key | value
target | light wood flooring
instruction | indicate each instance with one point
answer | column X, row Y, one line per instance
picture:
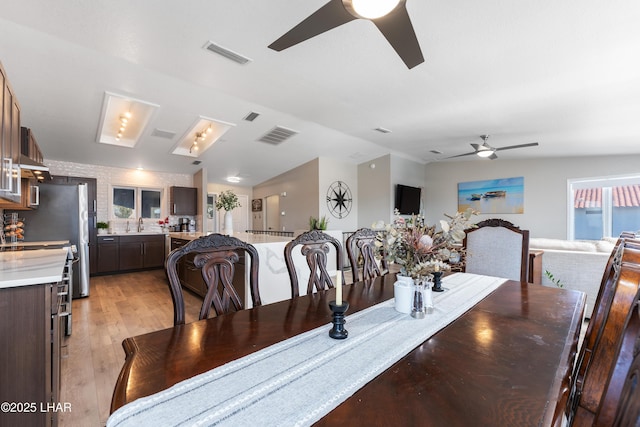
column 118, row 307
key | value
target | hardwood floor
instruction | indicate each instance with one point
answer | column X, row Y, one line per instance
column 118, row 307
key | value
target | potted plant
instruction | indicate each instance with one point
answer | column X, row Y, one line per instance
column 228, row 201
column 102, row 227
column 318, row 223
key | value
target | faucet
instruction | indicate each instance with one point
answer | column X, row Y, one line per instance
column 128, row 229
column 140, row 225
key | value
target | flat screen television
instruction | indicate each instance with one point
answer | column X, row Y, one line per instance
column 408, row 199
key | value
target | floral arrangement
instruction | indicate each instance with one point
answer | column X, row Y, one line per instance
column 420, row 249
column 163, row 223
column 227, row 200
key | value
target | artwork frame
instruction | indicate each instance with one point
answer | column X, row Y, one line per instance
column 256, row 205
column 492, row 196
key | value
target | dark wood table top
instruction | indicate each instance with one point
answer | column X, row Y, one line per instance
column 504, row 362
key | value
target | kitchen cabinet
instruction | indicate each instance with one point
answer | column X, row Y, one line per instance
column 138, row 252
column 125, row 253
column 108, row 254
column 29, row 145
column 10, row 188
column 183, row 200
column 30, row 345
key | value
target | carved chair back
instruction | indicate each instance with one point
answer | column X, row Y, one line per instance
column 608, row 351
column 361, row 247
column 216, row 256
column 314, row 246
column 497, row 248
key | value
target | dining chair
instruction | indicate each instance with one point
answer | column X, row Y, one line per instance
column 314, row 246
column 216, row 256
column 362, row 250
column 497, row 248
column 606, row 356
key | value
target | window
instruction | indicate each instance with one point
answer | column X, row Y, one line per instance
column 603, row 207
column 132, row 203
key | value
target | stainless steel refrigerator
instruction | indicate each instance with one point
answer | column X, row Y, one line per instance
column 62, row 215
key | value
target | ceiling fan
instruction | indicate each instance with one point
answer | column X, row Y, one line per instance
column 487, row 151
column 390, row 16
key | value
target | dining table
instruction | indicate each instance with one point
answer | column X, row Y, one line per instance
column 505, row 360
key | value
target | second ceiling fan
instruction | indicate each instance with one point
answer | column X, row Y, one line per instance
column 389, row 16
column 487, row 151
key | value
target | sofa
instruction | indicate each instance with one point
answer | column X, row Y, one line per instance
column 575, row 265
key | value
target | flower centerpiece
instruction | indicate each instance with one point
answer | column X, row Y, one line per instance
column 163, row 223
column 420, row 249
column 227, row 200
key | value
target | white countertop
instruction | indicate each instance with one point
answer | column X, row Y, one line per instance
column 22, row 268
column 23, row 244
column 245, row 237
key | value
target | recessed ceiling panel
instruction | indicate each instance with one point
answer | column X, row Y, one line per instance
column 200, row 136
column 123, row 119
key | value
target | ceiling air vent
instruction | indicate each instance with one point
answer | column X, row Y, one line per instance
column 223, row 51
column 196, row 162
column 277, row 135
column 383, row 130
column 163, row 133
column 435, row 151
column 251, row 116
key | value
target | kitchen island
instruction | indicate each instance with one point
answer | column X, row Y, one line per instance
column 31, row 323
column 273, row 277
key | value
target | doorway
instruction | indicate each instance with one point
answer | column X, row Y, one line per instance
column 272, row 212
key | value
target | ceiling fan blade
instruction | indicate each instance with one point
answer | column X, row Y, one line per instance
column 493, row 156
column 531, row 144
column 331, row 15
column 459, row 155
column 397, row 29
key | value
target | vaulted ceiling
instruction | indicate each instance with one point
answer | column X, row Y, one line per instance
column 564, row 74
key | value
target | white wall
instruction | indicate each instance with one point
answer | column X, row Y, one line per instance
column 545, row 185
column 375, row 193
column 377, row 186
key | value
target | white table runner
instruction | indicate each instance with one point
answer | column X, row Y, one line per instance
column 298, row 381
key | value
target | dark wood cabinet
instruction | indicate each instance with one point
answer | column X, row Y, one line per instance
column 10, row 179
column 126, row 253
column 30, row 343
column 138, row 252
column 108, row 254
column 183, row 200
column 29, row 145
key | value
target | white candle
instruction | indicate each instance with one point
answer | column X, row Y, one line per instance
column 339, row 288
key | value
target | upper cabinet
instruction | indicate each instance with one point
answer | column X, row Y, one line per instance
column 183, row 201
column 10, row 186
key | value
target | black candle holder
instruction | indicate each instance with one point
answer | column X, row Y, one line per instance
column 338, row 331
column 437, row 281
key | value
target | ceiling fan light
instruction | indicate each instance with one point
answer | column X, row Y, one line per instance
column 484, row 152
column 371, row 9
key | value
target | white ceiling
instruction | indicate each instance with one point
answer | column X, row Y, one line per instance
column 565, row 74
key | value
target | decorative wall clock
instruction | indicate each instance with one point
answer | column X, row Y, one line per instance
column 339, row 199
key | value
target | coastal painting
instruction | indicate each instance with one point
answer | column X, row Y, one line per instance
column 492, row 196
